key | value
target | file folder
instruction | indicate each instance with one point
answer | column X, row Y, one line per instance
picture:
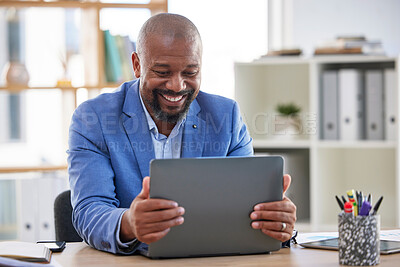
column 374, row 104
column 351, row 105
column 329, row 108
column 391, row 96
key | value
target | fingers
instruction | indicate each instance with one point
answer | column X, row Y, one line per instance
column 286, row 182
column 273, row 229
column 162, row 215
column 285, row 205
column 153, row 237
column 281, row 236
column 161, row 226
column 273, row 216
column 281, row 211
column 145, row 193
column 152, row 218
column 269, row 218
column 150, row 226
column 155, row 204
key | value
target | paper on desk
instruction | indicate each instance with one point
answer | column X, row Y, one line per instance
column 390, row 235
column 17, row 263
column 308, row 237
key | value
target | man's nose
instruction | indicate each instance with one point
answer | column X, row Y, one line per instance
column 176, row 83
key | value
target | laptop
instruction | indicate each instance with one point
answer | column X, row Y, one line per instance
column 218, row 195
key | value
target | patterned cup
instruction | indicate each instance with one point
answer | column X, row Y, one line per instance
column 359, row 239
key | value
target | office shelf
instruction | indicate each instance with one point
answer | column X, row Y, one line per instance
column 35, row 196
column 327, row 168
column 357, row 144
column 257, row 143
column 160, row 5
column 21, row 169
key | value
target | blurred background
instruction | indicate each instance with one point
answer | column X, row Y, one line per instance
column 56, row 54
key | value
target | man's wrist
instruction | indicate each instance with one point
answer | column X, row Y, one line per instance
column 125, row 246
column 126, row 234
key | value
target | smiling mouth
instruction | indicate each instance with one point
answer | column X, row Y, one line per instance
column 172, row 99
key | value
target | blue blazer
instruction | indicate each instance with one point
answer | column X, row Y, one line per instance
column 110, row 149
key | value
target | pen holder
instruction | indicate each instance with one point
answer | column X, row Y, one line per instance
column 359, row 239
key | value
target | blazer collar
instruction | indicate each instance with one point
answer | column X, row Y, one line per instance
column 137, row 129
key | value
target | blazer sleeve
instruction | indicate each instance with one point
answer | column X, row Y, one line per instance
column 96, row 211
column 241, row 142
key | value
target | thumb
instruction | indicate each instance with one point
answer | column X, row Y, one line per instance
column 286, row 182
column 144, row 194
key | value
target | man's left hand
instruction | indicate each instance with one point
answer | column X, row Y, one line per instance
column 277, row 218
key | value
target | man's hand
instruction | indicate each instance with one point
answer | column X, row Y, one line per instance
column 149, row 220
column 280, row 216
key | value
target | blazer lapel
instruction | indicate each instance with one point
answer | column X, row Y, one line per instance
column 193, row 133
column 137, row 129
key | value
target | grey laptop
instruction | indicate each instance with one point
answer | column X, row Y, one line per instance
column 218, row 195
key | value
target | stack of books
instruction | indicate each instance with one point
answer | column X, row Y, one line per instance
column 281, row 53
column 118, row 64
column 15, row 253
column 350, row 45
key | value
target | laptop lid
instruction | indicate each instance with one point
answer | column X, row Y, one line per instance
column 218, row 195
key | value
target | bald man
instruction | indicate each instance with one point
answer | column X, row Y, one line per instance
column 162, row 114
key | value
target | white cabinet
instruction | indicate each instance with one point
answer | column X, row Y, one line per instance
column 35, row 205
column 320, row 168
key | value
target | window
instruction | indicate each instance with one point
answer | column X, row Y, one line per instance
column 231, row 30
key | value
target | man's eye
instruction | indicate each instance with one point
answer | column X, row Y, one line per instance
column 161, row 73
column 190, row 73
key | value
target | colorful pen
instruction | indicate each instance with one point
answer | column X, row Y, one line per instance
column 365, row 208
column 355, row 208
column 350, row 194
column 344, row 199
column 340, row 203
column 376, row 207
column 348, row 207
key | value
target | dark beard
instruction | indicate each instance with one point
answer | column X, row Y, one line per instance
column 165, row 116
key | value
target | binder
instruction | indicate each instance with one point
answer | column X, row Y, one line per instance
column 329, row 97
column 27, row 211
column 351, row 107
column 390, row 96
column 374, row 104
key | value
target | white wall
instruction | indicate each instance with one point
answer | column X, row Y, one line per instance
column 231, row 30
column 316, row 20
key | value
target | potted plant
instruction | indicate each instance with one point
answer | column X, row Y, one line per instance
column 287, row 121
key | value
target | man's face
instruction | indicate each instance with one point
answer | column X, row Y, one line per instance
column 169, row 71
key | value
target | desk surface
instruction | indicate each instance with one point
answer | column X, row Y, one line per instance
column 79, row 254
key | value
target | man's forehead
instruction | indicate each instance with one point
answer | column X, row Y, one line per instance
column 188, row 41
column 168, row 64
column 164, row 50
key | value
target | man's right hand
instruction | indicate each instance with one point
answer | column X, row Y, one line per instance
column 149, row 219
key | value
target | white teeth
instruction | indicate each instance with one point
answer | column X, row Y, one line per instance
column 173, row 99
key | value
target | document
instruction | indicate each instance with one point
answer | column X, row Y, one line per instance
column 351, row 108
column 374, row 104
column 329, row 98
column 391, row 105
column 25, row 251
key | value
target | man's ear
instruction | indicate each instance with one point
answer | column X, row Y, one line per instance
column 136, row 64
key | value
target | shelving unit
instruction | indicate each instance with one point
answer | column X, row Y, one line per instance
column 36, row 223
column 92, row 48
column 330, row 167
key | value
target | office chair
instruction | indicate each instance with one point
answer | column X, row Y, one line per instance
column 65, row 231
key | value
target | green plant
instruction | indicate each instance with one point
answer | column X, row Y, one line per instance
column 288, row 109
